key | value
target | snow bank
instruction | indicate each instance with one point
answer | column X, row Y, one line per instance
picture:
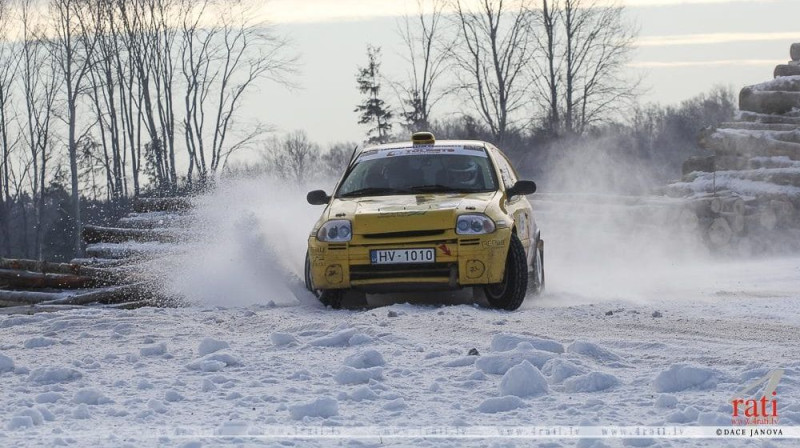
column 591, row 382
column 350, row 375
column 209, row 345
column 593, row 351
column 681, row 377
column 90, row 396
column 363, row 393
column 523, row 380
column 321, row 407
column 39, row 342
column 6, row 364
column 499, row 363
column 282, row 339
column 214, row 362
column 666, row 401
column 504, row 342
column 560, row 369
column 153, row 349
column 337, row 339
column 53, row 375
column 500, row 404
column 365, row 360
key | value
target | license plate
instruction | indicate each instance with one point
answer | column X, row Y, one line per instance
column 399, row 256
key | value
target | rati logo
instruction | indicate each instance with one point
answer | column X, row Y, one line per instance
column 755, row 410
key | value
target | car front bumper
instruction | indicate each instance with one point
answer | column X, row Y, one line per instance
column 460, row 260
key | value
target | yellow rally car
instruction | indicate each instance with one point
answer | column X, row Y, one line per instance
column 427, row 215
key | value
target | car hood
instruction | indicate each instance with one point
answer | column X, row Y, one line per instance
column 379, row 214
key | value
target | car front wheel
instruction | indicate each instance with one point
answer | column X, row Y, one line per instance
column 333, row 298
column 510, row 293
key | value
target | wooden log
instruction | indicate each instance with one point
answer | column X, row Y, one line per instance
column 735, row 221
column 169, row 204
column 98, row 234
column 767, row 218
column 114, row 294
column 719, row 233
column 767, row 118
column 152, row 220
column 781, row 84
column 727, row 163
column 730, row 144
column 782, row 70
column 734, row 205
column 794, row 51
column 28, row 297
column 28, row 279
column 702, row 164
column 755, row 126
column 688, row 220
column 108, row 275
column 767, row 102
column 128, row 250
column 784, row 211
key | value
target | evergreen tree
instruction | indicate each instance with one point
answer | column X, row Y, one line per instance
column 373, row 109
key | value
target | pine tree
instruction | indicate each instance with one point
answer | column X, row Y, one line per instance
column 373, row 109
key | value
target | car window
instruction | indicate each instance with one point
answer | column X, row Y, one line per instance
column 507, row 172
column 411, row 171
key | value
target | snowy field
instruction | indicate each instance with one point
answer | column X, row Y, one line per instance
column 633, row 330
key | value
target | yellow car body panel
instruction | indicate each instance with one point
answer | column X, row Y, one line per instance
column 422, row 221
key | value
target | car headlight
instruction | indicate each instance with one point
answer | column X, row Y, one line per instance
column 335, row 231
column 474, row 225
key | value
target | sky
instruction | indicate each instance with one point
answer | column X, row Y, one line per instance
column 684, row 48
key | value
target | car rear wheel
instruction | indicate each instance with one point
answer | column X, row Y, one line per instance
column 510, row 293
column 536, row 278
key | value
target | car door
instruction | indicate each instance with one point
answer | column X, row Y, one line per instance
column 517, row 206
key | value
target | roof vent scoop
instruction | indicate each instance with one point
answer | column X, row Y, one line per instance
column 423, row 138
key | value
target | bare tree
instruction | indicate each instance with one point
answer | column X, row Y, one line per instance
column 492, row 55
column 547, row 69
column 74, row 41
column 597, row 45
column 220, row 63
column 427, row 57
column 40, row 83
column 292, row 157
column 9, row 61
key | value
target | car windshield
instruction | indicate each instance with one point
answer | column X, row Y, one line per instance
column 432, row 169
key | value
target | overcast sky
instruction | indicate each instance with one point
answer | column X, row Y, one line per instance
column 684, row 48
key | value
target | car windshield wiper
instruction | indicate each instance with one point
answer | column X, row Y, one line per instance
column 373, row 191
column 438, row 188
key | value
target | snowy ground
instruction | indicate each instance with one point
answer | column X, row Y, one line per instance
column 628, row 334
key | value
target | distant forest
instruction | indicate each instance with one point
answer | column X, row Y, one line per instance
column 105, row 100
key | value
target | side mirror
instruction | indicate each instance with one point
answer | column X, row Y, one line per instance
column 317, row 197
column 522, row 188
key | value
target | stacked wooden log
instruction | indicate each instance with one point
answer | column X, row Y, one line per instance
column 113, row 272
column 747, row 193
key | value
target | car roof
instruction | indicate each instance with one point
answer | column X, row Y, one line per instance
column 409, row 143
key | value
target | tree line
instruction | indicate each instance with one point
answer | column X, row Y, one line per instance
column 101, row 98
column 524, row 66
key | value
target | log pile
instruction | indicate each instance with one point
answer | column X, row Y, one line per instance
column 746, row 195
column 111, row 275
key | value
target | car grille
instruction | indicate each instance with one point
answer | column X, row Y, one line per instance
column 408, row 234
column 387, row 271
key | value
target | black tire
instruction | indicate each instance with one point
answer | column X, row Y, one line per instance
column 307, row 274
column 536, row 278
column 510, row 293
column 332, row 297
column 329, row 297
